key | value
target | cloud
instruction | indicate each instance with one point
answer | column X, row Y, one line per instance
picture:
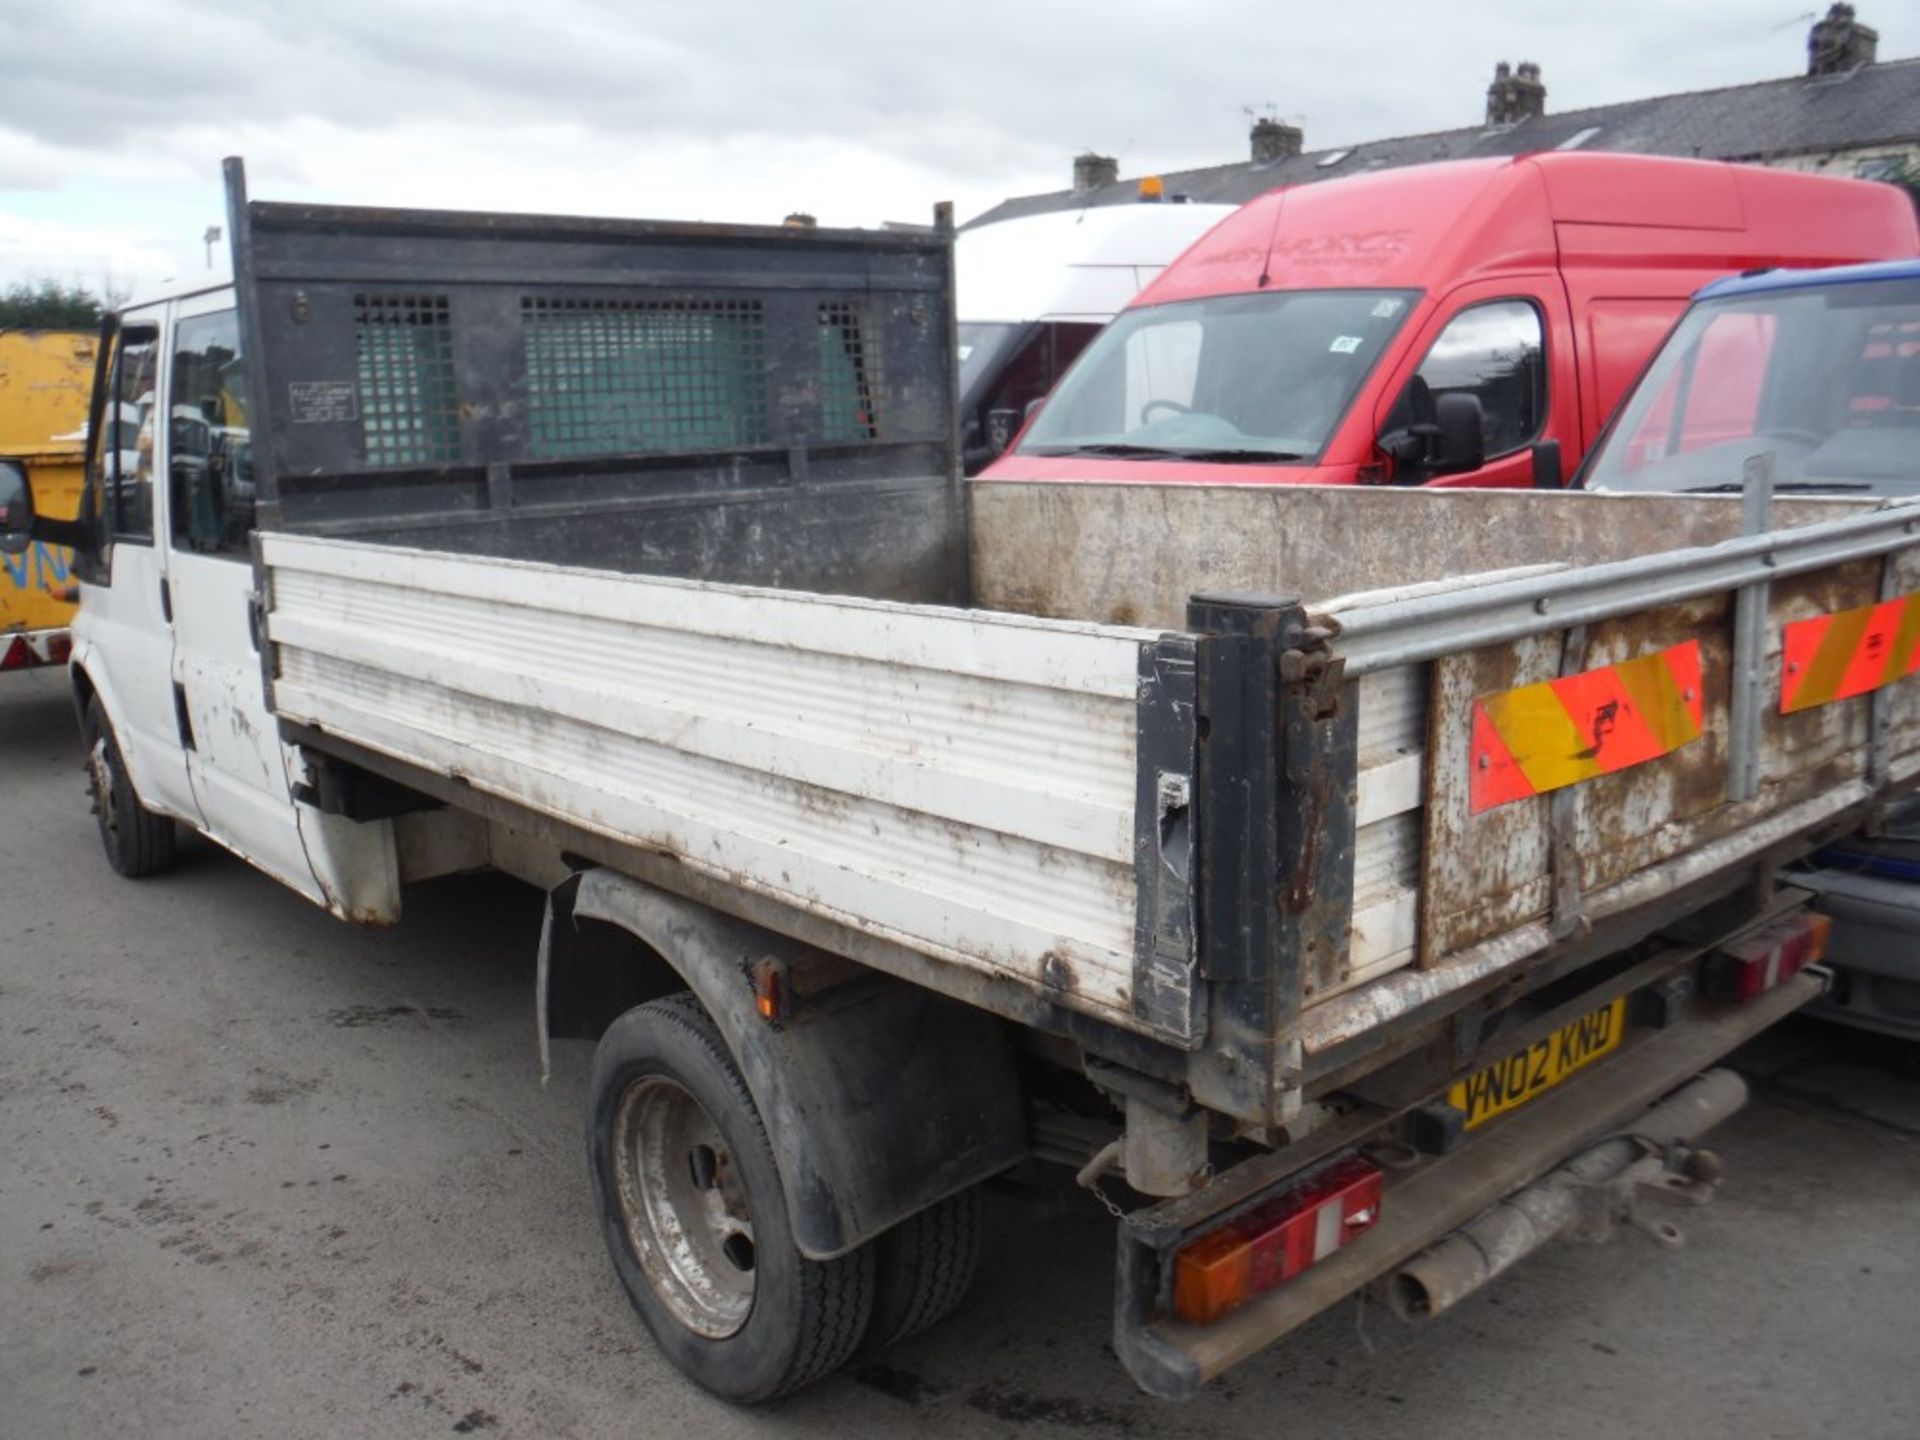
column 105, row 261
column 745, row 109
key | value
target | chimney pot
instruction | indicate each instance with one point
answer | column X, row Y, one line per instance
column 1516, row 94
column 1271, row 140
column 1839, row 43
column 1091, row 171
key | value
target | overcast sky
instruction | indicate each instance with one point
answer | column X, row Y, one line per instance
column 114, row 113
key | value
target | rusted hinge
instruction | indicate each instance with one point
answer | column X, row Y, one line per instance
column 1311, row 662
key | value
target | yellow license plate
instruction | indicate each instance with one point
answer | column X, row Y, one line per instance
column 1510, row 1083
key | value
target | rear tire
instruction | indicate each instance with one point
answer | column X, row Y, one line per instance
column 137, row 841
column 695, row 1217
column 925, row 1266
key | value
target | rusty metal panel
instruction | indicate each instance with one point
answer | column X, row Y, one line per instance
column 1633, row 819
column 1485, row 875
column 1133, row 554
column 1824, row 745
column 1899, row 705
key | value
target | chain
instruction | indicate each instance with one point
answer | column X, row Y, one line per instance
column 1112, row 1209
column 1127, row 1217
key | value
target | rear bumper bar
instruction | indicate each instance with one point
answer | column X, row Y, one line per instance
column 1426, row 1201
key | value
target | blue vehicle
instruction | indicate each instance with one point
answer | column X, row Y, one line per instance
column 1819, row 369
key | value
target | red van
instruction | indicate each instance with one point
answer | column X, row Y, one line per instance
column 1449, row 324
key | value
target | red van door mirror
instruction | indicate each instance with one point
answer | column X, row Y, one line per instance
column 1461, row 445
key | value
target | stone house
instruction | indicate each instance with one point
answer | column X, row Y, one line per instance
column 1850, row 113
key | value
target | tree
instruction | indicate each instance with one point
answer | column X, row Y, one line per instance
column 49, row 305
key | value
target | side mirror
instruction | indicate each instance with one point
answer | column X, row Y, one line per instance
column 1002, row 425
column 16, row 509
column 1407, row 448
column 1462, row 442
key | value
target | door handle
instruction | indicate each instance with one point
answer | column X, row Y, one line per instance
column 181, row 718
column 166, row 600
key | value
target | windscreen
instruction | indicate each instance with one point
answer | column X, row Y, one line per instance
column 1825, row 378
column 982, row 347
column 1261, row 378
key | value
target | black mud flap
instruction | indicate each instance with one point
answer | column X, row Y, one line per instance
column 880, row 1098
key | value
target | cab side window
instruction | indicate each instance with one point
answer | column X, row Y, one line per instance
column 124, row 458
column 1496, row 351
column 211, row 458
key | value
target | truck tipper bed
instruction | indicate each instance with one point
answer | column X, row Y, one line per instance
column 1316, row 872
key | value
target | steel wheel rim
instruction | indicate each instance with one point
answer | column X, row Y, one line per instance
column 100, row 773
column 683, row 1207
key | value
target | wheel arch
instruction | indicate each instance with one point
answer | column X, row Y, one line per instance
column 880, row 1098
column 83, row 687
column 89, row 687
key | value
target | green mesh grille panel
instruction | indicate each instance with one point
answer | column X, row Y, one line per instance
column 621, row 376
column 849, row 374
column 409, row 412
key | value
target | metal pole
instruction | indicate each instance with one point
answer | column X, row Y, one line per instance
column 1749, row 639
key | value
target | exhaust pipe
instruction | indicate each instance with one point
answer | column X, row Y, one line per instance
column 1594, row 1188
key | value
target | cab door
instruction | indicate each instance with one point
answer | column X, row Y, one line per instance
column 239, row 768
column 1509, row 344
column 124, row 632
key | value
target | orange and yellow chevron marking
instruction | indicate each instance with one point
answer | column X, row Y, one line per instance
column 1850, row 652
column 1559, row 732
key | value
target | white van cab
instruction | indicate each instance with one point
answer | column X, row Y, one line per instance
column 169, row 592
column 1032, row 292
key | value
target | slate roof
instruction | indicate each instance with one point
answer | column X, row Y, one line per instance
column 1871, row 105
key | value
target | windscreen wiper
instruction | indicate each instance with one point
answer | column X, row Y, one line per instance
column 1241, row 457
column 1112, row 452
column 1160, row 452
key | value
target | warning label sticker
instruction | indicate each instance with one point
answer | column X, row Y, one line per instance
column 322, row 402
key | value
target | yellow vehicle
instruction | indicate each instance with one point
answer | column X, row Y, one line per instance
column 46, row 381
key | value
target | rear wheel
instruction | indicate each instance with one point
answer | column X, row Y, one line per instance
column 137, row 841
column 695, row 1217
column 925, row 1266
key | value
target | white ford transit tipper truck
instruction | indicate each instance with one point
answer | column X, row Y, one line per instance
column 1355, row 887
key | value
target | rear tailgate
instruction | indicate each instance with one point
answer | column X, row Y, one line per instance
column 1404, row 891
column 1543, row 752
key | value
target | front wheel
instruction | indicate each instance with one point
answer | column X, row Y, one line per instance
column 137, row 841
column 695, row 1217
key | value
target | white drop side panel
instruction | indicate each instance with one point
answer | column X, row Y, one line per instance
column 958, row 782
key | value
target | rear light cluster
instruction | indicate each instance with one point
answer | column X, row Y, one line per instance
column 18, row 653
column 1276, row 1240
column 1756, row 962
